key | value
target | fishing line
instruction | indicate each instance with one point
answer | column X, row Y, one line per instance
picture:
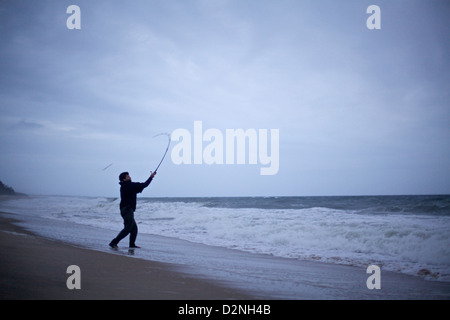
column 162, row 159
column 107, row 167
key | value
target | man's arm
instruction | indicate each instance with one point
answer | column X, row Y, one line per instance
column 146, row 183
column 141, row 186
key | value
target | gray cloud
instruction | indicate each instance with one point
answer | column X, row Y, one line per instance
column 359, row 111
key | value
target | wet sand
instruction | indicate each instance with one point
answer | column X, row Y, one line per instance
column 32, row 267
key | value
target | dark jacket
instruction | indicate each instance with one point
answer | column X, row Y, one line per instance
column 129, row 191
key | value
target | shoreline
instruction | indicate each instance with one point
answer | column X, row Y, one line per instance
column 35, row 268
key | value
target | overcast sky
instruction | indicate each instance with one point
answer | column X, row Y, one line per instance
column 359, row 111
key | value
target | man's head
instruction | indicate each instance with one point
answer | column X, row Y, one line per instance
column 124, row 176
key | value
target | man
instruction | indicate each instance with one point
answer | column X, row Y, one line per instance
column 128, row 197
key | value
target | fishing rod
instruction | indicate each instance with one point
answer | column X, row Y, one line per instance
column 165, row 153
column 167, row 149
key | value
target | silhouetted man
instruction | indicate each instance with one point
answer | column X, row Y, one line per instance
column 128, row 198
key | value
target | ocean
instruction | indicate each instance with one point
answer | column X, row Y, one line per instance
column 403, row 234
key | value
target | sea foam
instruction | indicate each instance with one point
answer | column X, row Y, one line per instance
column 411, row 243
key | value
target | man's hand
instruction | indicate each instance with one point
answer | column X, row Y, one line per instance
column 153, row 175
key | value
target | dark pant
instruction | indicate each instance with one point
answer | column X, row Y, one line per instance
column 130, row 227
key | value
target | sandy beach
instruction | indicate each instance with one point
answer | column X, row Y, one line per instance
column 32, row 267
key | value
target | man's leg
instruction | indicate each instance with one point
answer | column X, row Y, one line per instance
column 133, row 234
column 128, row 220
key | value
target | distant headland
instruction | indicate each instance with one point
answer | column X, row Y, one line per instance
column 6, row 190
